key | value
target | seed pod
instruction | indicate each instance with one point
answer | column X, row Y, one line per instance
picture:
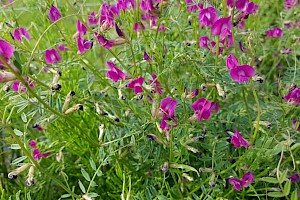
column 14, row 174
column 101, row 133
column 187, row 177
column 68, row 100
column 29, row 180
column 154, row 138
column 74, row 108
column 7, row 76
column 220, row 90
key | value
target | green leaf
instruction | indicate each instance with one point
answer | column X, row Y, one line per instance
column 294, row 195
column 283, row 176
column 18, row 133
column 24, row 117
column 182, row 166
column 81, row 186
column 276, row 194
column 93, row 194
column 287, row 187
column 269, row 179
column 65, row 196
column 18, row 160
column 15, row 146
column 85, row 174
column 93, row 165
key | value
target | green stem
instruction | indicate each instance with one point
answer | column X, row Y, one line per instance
column 133, row 58
column 247, row 107
column 258, row 112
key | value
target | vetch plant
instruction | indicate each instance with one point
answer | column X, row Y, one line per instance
column 137, row 99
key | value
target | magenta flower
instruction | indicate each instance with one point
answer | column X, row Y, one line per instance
column 247, row 179
column 138, row 26
column 231, row 62
column 52, row 56
column 104, row 42
column 114, row 73
column 275, row 32
column 295, row 178
column 203, row 42
column 106, row 17
column 54, row 14
column 6, row 50
column 19, row 87
column 146, row 5
column 83, row 44
column 20, row 32
column 81, row 29
column 167, row 109
column 251, row 8
column 119, row 31
column 136, row 85
column 203, row 109
column 208, row 16
column 156, row 84
column 92, row 19
column 126, row 4
column 62, row 47
column 237, row 140
column 147, row 57
column 226, row 37
column 221, row 25
column 294, row 125
column 193, row 6
column 36, row 152
column 239, row 73
column 161, row 28
column 289, row 4
column 241, row 5
column 293, row 97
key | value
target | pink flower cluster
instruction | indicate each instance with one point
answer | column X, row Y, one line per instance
column 166, row 110
column 293, row 97
column 36, row 152
column 239, row 73
column 247, row 179
column 237, row 140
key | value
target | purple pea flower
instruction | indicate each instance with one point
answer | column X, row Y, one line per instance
column 138, row 26
column 136, row 85
column 193, row 6
column 220, row 25
column 237, row 140
column 6, row 51
column 54, row 14
column 295, row 178
column 247, row 179
column 241, row 5
column 52, row 56
column 119, row 31
column 226, row 37
column 106, row 17
column 275, row 32
column 81, row 29
column 156, row 84
column 231, row 62
column 103, row 41
column 204, row 41
column 20, row 32
column 293, row 97
column 83, row 44
column 147, row 57
column 92, row 19
column 19, row 87
column 239, row 73
column 36, row 152
column 203, row 108
column 208, row 16
column 289, row 4
column 114, row 73
column 62, row 47
column 167, row 109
